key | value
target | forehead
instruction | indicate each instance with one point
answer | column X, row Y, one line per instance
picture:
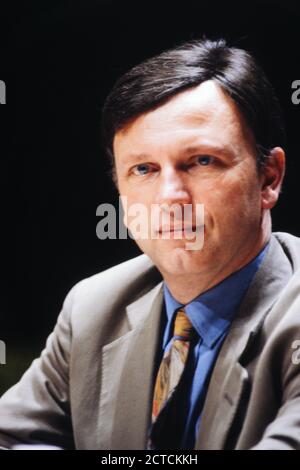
column 202, row 112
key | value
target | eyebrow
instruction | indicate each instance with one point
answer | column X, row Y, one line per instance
column 226, row 150
column 138, row 156
column 191, row 149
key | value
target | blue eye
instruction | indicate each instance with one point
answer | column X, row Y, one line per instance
column 204, row 160
column 142, row 169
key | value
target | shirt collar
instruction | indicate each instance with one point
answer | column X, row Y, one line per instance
column 212, row 311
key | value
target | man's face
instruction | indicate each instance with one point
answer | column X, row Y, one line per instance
column 195, row 148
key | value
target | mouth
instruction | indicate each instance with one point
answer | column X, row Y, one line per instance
column 185, row 229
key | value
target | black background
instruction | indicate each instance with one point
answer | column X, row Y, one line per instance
column 59, row 59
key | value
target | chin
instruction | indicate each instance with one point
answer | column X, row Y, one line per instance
column 179, row 261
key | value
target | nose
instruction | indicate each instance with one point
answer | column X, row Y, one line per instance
column 172, row 188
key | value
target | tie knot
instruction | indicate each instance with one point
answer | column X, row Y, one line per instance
column 183, row 327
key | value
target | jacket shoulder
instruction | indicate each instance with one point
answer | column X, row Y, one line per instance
column 121, row 275
column 291, row 247
column 111, row 290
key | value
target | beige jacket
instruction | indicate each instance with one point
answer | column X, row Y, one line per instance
column 92, row 386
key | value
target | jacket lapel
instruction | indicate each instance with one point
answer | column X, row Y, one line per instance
column 127, row 376
column 229, row 378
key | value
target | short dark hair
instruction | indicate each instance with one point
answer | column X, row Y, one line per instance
column 152, row 82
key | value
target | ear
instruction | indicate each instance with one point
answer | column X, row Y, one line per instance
column 272, row 176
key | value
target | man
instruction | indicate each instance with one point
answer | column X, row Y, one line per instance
column 198, row 124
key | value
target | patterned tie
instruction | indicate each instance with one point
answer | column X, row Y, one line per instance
column 167, row 382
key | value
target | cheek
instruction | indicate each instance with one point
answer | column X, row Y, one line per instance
column 218, row 195
column 231, row 199
column 139, row 199
column 137, row 210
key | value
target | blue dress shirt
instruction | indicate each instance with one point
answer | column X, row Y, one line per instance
column 211, row 314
